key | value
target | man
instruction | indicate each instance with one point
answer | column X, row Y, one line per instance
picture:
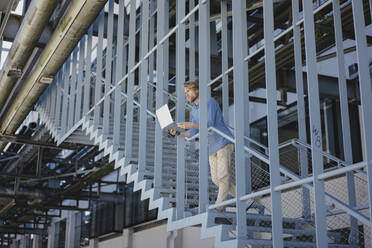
column 220, row 148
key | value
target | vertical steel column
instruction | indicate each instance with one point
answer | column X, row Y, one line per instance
column 370, row 8
column 1, row 51
column 272, row 124
column 240, row 51
column 150, row 101
column 306, row 211
column 88, row 71
column 119, row 74
column 365, row 91
column 108, row 69
column 204, row 79
column 166, row 51
column 131, row 62
column 98, row 87
column 315, row 125
column 225, row 62
column 66, row 96
column 160, row 82
column 59, row 100
column 48, row 103
column 180, row 107
column 345, row 122
column 72, row 105
column 144, row 89
column 54, row 102
column 192, row 42
column 79, row 92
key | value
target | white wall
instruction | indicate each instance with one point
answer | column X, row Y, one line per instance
column 158, row 237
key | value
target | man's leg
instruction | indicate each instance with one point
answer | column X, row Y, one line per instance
column 213, row 166
column 231, row 161
column 223, row 174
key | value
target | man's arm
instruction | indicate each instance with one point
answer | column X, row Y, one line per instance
column 174, row 132
column 185, row 134
column 188, row 125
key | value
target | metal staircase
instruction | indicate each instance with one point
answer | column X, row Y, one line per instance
column 297, row 231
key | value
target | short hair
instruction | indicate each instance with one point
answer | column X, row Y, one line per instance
column 191, row 84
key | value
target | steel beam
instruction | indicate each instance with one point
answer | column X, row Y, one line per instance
column 99, row 66
column 315, row 125
column 108, row 70
column 144, row 47
column 345, row 117
column 119, row 74
column 160, row 86
column 272, row 124
column 365, row 92
column 130, row 86
column 180, row 108
column 301, row 115
column 204, row 79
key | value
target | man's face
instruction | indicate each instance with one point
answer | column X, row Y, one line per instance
column 191, row 94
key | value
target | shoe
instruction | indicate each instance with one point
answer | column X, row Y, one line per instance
column 249, row 204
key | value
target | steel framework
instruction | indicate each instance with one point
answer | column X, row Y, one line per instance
column 111, row 87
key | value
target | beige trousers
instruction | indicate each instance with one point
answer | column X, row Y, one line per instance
column 223, row 171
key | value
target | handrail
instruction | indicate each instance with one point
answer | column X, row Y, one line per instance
column 339, row 162
column 248, row 149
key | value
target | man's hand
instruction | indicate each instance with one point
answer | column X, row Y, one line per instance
column 173, row 132
column 186, row 125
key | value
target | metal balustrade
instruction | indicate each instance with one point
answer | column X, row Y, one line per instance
column 304, row 197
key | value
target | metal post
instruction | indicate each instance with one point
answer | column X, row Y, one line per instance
column 59, row 99
column 79, row 92
column 306, row 211
column 108, row 69
column 54, row 100
column 344, row 107
column 66, row 96
column 49, row 102
column 131, row 63
column 204, row 79
column 160, row 82
column 98, row 87
column 88, row 71
column 240, row 79
column 272, row 124
column 166, row 50
column 150, row 101
column 365, row 91
column 192, row 42
column 144, row 89
column 315, row 125
column 119, row 75
column 180, row 108
column 72, row 103
column 225, row 62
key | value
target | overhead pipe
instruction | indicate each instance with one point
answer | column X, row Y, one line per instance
column 71, row 29
column 22, row 193
column 33, row 24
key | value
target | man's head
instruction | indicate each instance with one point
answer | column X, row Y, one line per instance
column 191, row 89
